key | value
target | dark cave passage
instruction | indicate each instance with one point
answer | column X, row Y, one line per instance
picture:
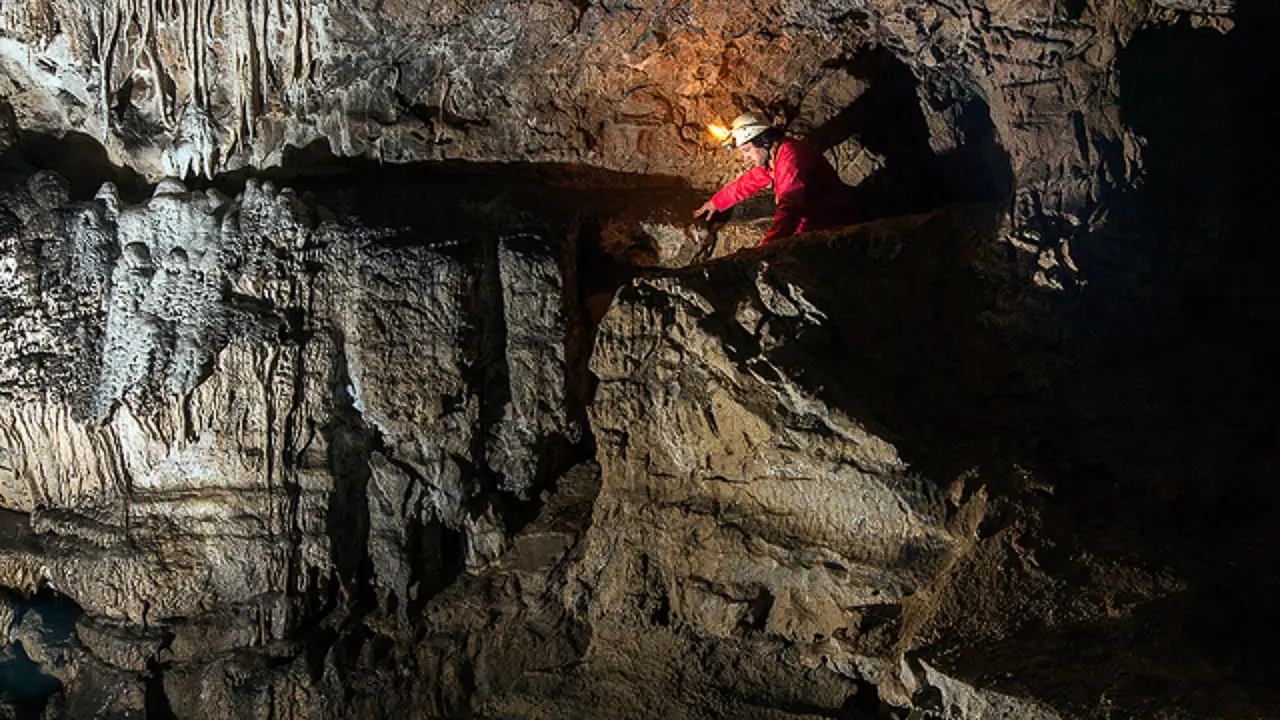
column 1172, row 404
column 80, row 159
column 42, row 639
column 888, row 120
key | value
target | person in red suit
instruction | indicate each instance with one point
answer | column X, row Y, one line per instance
column 809, row 193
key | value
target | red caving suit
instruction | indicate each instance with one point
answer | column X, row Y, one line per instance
column 810, row 194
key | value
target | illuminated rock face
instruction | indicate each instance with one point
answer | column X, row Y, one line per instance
column 792, row 501
column 415, row 456
column 216, row 403
column 204, row 86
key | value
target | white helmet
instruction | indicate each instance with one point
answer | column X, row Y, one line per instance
column 745, row 128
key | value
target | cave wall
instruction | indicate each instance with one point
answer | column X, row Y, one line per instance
column 280, row 460
column 177, row 88
column 231, row 371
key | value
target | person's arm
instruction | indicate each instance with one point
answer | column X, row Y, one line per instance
column 747, row 184
column 790, row 209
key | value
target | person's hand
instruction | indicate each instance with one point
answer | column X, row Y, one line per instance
column 705, row 211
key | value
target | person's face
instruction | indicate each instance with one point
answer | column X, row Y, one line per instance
column 754, row 155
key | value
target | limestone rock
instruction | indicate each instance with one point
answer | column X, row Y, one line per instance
column 763, row 479
column 211, row 402
column 750, row 502
column 191, row 86
column 338, row 451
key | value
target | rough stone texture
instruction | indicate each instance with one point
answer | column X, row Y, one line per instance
column 202, row 86
column 741, row 498
column 229, row 373
column 753, row 503
column 844, row 443
column 536, row 314
column 259, row 458
column 799, row 509
column 214, row 403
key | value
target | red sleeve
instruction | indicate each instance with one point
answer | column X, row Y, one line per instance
column 789, row 186
column 748, row 184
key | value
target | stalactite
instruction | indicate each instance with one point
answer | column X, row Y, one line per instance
column 15, row 18
column 111, row 36
column 191, row 54
column 197, row 50
column 257, row 54
column 32, row 17
column 304, row 34
column 265, row 79
column 243, row 76
column 163, row 103
column 206, row 42
column 296, row 39
column 147, row 43
column 184, row 46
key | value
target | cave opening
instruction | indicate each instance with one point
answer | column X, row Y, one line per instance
column 42, row 638
column 1204, row 285
column 77, row 157
column 1173, row 392
column 888, row 119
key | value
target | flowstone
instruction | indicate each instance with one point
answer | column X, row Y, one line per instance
column 276, row 406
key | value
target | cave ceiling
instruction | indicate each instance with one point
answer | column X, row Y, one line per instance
column 201, row 87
